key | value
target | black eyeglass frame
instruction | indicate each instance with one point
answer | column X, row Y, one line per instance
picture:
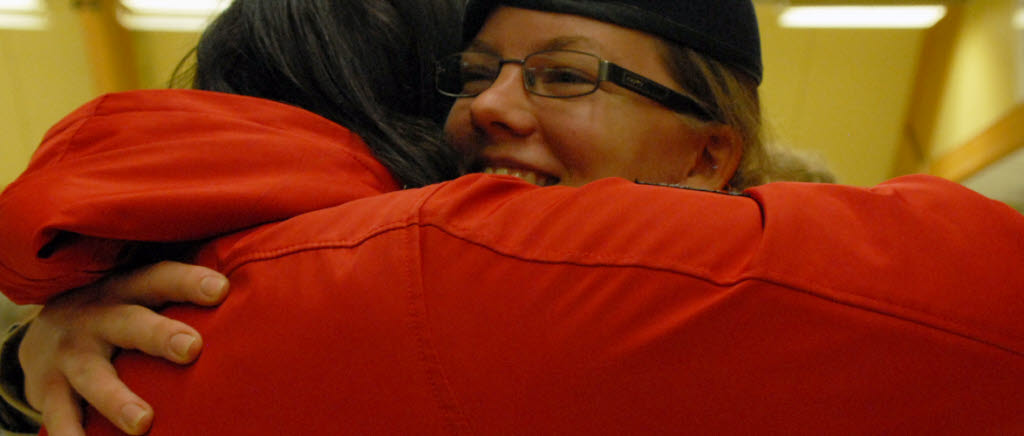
column 607, row 71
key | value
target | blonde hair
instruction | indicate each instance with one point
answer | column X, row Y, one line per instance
column 732, row 98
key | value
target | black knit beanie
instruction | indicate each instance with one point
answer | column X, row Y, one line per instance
column 725, row 30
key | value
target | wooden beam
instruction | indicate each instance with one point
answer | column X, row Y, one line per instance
column 996, row 142
column 108, row 46
column 933, row 69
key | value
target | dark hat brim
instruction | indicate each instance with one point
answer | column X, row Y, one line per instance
column 725, row 30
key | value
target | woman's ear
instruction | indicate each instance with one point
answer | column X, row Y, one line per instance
column 719, row 159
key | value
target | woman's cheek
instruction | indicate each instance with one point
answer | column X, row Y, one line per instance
column 458, row 130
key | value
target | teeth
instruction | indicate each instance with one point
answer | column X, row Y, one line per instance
column 526, row 175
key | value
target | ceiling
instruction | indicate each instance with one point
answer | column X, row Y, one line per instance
column 868, row 90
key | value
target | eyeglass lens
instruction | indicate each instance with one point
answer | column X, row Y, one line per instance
column 548, row 73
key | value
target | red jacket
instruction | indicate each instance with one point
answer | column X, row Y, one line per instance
column 489, row 306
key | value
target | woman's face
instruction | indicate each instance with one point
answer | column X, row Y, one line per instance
column 572, row 141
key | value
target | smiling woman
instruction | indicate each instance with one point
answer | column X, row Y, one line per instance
column 685, row 118
column 614, row 132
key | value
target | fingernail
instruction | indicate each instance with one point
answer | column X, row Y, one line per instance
column 132, row 415
column 213, row 287
column 181, row 343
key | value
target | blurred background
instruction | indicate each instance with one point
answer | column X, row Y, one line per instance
column 880, row 89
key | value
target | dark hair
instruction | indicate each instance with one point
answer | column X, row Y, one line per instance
column 364, row 64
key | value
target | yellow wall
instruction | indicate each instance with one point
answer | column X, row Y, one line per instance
column 982, row 81
column 46, row 74
column 43, row 74
column 844, row 93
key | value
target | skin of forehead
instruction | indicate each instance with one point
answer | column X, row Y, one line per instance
column 567, row 40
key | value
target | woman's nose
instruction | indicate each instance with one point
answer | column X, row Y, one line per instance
column 504, row 108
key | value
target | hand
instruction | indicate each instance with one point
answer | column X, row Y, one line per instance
column 68, row 348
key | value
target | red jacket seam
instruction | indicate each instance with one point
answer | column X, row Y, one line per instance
column 838, row 297
column 77, row 128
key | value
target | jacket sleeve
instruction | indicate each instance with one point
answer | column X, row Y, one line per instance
column 167, row 166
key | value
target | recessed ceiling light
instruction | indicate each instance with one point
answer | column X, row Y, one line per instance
column 22, row 15
column 176, row 7
column 890, row 17
column 169, row 15
column 20, row 5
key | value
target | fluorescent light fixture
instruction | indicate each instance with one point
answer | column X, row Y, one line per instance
column 888, row 17
column 22, row 21
column 22, row 15
column 169, row 15
column 1018, row 19
column 162, row 23
column 176, row 7
column 20, row 5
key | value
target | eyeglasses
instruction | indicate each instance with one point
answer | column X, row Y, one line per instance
column 557, row 74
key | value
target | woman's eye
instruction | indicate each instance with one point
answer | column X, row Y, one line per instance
column 564, row 75
column 473, row 73
column 476, row 80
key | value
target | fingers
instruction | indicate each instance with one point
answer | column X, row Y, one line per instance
column 135, row 327
column 69, row 344
column 58, row 355
column 69, row 347
column 61, row 413
column 166, row 282
column 138, row 328
column 95, row 379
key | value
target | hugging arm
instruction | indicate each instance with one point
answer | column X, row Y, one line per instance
column 59, row 236
column 66, row 351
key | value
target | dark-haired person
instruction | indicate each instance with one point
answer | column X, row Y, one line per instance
column 297, row 105
column 486, row 305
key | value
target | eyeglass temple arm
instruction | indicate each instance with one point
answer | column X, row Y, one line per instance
column 653, row 90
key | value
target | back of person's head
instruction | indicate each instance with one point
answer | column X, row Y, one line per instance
column 712, row 48
column 367, row 65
